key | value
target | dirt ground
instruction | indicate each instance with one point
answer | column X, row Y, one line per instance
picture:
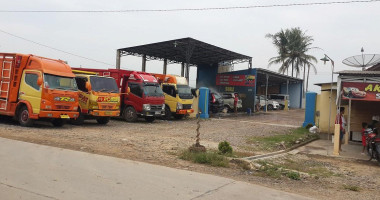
column 161, row 141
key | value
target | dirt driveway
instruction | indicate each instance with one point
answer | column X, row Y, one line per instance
column 160, row 142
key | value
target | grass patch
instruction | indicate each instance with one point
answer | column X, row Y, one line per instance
column 293, row 175
column 270, row 143
column 352, row 188
column 208, row 158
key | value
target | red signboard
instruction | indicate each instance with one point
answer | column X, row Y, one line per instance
column 235, row 80
column 361, row 91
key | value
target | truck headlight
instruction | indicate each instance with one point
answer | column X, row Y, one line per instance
column 146, row 106
column 163, row 106
column 57, row 99
column 179, row 106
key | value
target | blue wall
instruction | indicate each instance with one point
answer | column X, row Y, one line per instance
column 295, row 94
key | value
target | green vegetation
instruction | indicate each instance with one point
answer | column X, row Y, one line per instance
column 293, row 175
column 291, row 169
column 208, row 158
column 274, row 142
column 225, row 148
column 352, row 188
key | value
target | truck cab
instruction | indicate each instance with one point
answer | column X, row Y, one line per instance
column 99, row 97
column 178, row 96
column 34, row 87
column 141, row 95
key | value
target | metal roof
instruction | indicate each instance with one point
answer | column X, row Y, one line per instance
column 185, row 50
column 358, row 72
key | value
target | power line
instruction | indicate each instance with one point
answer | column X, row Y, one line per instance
column 66, row 52
column 189, row 9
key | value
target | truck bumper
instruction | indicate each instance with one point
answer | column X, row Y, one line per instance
column 58, row 114
column 184, row 112
column 105, row 113
column 152, row 113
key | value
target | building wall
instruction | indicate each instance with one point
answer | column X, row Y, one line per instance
column 206, row 76
column 362, row 111
column 295, row 94
column 323, row 107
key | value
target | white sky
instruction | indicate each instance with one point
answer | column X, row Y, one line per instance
column 340, row 30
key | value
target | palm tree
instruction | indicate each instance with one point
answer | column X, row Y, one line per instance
column 292, row 47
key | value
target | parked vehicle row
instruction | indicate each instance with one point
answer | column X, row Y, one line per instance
column 33, row 87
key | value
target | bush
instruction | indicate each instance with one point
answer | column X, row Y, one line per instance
column 225, row 147
column 208, row 158
column 293, row 175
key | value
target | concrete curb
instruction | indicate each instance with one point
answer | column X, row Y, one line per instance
column 251, row 158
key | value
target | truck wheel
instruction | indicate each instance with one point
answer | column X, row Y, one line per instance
column 130, row 114
column 270, row 107
column 179, row 116
column 103, row 120
column 150, row 119
column 168, row 113
column 24, row 117
column 79, row 120
column 58, row 122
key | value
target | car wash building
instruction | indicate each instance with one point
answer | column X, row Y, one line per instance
column 215, row 69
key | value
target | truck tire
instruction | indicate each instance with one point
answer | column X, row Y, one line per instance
column 270, row 107
column 58, row 122
column 24, row 117
column 150, row 119
column 103, row 120
column 129, row 114
column 179, row 116
column 78, row 121
column 168, row 113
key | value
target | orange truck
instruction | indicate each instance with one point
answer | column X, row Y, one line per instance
column 33, row 87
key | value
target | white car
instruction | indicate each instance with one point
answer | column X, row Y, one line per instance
column 280, row 98
column 272, row 105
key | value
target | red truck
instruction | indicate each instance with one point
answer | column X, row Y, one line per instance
column 140, row 93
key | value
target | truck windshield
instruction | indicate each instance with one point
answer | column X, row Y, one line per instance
column 103, row 84
column 184, row 92
column 59, row 82
column 153, row 90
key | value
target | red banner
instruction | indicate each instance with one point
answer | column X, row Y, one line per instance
column 235, row 80
column 361, row 91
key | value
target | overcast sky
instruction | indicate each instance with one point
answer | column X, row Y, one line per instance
column 340, row 30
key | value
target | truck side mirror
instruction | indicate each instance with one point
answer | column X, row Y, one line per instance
column 128, row 90
column 39, row 81
column 88, row 86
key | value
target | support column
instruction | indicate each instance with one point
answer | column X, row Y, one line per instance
column 347, row 135
column 266, row 94
column 182, row 69
column 143, row 63
column 250, row 64
column 187, row 72
column 287, row 93
column 118, row 59
column 165, row 66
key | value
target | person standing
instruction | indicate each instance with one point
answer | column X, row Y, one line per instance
column 342, row 122
column 364, row 138
column 236, row 99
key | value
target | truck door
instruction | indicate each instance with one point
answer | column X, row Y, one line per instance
column 29, row 89
column 170, row 96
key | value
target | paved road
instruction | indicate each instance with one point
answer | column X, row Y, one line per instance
column 30, row 171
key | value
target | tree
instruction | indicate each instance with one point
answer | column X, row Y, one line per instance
column 292, row 47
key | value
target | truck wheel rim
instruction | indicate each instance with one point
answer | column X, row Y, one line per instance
column 129, row 114
column 24, row 116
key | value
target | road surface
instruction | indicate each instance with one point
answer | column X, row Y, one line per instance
column 31, row 171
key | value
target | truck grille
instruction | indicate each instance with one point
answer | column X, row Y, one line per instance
column 62, row 107
column 156, row 107
column 105, row 107
column 186, row 106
